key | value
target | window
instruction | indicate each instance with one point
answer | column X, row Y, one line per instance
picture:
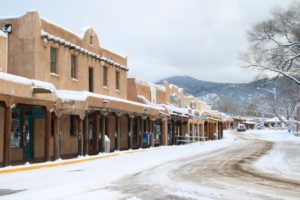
column 53, row 60
column 104, row 76
column 91, row 39
column 73, row 67
column 91, row 79
column 16, row 129
column 117, row 80
column 73, row 125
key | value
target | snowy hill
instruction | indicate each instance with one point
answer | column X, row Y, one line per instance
column 212, row 92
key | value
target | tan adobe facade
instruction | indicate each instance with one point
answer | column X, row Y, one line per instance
column 3, row 52
column 63, row 95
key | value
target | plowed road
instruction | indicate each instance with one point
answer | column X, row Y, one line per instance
column 224, row 174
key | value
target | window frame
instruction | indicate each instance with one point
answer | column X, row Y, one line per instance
column 73, row 66
column 53, row 60
column 105, row 74
column 117, row 80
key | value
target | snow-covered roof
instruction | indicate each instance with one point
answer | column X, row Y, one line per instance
column 143, row 82
column 62, row 27
column 14, row 78
column 67, row 95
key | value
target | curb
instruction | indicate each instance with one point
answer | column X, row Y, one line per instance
column 65, row 162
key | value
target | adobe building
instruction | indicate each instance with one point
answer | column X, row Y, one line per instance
column 185, row 115
column 63, row 95
column 88, row 89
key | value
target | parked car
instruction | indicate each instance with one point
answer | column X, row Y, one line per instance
column 241, row 127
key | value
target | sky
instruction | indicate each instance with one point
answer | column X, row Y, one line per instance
column 163, row 38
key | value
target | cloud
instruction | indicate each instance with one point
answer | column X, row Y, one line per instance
column 199, row 38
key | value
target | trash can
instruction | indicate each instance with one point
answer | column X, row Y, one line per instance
column 146, row 140
column 107, row 144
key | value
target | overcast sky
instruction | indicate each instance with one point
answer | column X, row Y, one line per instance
column 162, row 38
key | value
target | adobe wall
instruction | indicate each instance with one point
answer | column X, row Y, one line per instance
column 124, row 132
column 172, row 90
column 139, row 87
column 21, row 48
column 29, row 56
column 132, row 90
column 38, row 138
column 3, row 55
column 69, row 143
column 111, row 130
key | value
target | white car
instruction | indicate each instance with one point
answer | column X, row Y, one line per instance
column 241, row 127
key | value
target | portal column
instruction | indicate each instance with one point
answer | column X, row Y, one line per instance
column 56, row 137
column 164, row 124
column 103, row 120
column 47, row 134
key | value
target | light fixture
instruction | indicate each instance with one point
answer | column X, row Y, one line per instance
column 7, row 28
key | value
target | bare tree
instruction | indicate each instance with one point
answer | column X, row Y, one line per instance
column 285, row 104
column 227, row 105
column 275, row 44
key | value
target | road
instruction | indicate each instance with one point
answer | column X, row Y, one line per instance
column 227, row 173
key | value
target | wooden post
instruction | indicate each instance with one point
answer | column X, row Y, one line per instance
column 173, row 132
column 47, row 134
column 131, row 131
column 7, row 136
column 138, row 123
column 56, row 138
column 142, row 131
column 80, row 136
column 164, row 133
column 86, row 135
column 118, row 118
column 103, row 132
column 153, row 133
column 97, row 127
column 202, row 133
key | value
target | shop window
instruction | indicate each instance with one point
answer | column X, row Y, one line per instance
column 16, row 129
column 157, row 131
column 73, row 67
column 53, row 60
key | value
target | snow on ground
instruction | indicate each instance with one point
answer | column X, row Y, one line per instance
column 90, row 179
column 272, row 135
column 284, row 158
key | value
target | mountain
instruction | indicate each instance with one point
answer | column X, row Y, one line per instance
column 240, row 94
